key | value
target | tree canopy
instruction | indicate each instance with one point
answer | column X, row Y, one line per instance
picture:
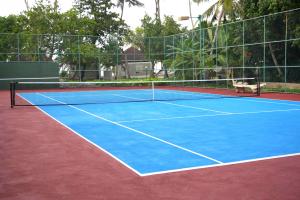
column 92, row 35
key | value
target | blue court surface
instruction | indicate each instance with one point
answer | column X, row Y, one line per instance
column 153, row 137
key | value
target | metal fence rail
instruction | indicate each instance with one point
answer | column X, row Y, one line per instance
column 270, row 43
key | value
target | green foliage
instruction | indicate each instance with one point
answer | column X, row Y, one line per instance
column 72, row 23
column 255, row 8
column 8, row 45
column 275, row 31
column 171, row 27
column 10, row 24
column 43, row 19
column 150, row 37
column 226, row 6
column 44, row 33
column 101, row 13
column 136, row 38
column 110, row 55
column 186, row 55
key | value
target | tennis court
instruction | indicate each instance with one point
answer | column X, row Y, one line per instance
column 150, row 100
column 178, row 130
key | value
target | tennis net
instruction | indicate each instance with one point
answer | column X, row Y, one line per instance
column 75, row 93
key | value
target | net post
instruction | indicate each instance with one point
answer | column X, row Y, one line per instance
column 12, row 89
column 152, row 86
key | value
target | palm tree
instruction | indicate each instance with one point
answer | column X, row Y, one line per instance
column 217, row 11
column 218, row 8
column 121, row 4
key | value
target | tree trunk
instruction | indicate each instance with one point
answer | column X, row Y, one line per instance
column 217, row 29
column 116, row 72
column 157, row 10
column 74, row 72
column 52, row 48
column 152, row 69
column 82, row 72
column 191, row 17
column 127, row 67
column 166, row 75
column 27, row 5
column 275, row 59
column 122, row 11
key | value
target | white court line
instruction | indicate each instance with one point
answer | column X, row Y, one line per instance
column 267, row 101
column 108, row 153
column 186, row 106
column 252, row 99
column 167, row 171
column 188, row 93
column 136, row 131
column 174, row 104
column 198, row 116
column 221, row 165
column 97, row 93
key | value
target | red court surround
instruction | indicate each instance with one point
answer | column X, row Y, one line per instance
column 41, row 160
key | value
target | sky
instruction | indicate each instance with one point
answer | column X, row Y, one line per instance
column 132, row 15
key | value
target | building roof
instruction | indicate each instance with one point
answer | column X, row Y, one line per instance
column 133, row 55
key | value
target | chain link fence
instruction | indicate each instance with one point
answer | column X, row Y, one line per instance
column 268, row 45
